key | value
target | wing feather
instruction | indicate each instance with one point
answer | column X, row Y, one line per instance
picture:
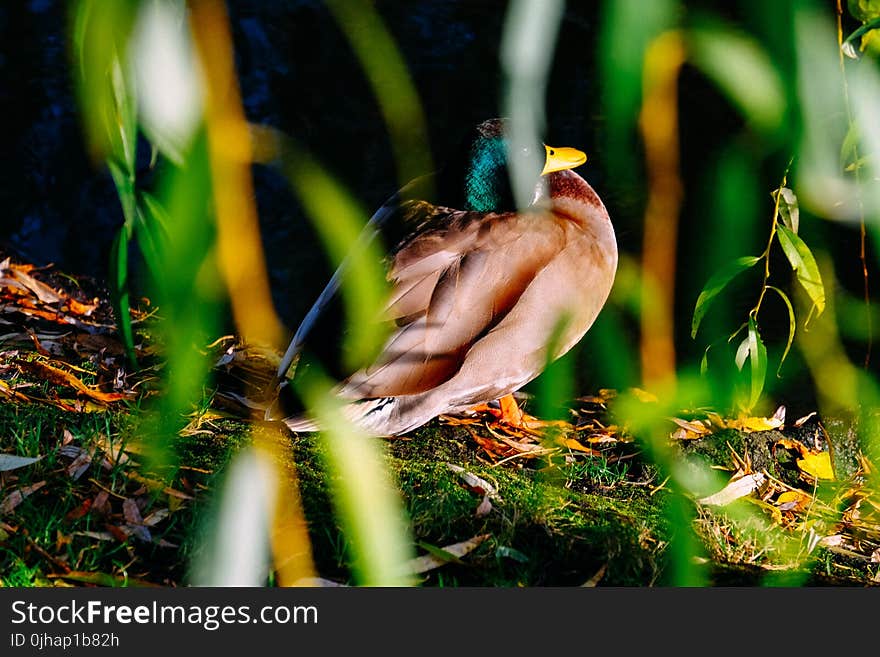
column 451, row 284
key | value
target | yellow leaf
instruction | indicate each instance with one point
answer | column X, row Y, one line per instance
column 817, row 465
column 644, row 395
column 571, row 443
column 755, row 423
column 793, row 500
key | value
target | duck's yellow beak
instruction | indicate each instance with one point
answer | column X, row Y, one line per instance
column 559, row 159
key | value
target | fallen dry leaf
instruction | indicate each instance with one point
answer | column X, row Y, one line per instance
column 79, row 465
column 473, row 482
column 691, row 429
column 13, row 461
column 793, row 500
column 131, row 512
column 734, row 490
column 571, row 443
column 59, row 377
column 817, row 465
column 17, row 496
column 484, row 508
column 156, row 517
column 455, row 551
column 80, row 511
column 594, row 580
column 101, row 504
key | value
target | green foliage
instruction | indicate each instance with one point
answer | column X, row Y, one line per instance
column 628, row 27
column 742, row 69
column 716, row 285
column 758, row 360
column 804, row 265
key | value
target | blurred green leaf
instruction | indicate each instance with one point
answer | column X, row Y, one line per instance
column 387, row 73
column 165, row 70
column 100, row 41
column 151, row 221
column 628, row 26
column 743, row 71
column 804, row 265
column 339, row 222
column 716, row 284
column 124, row 182
column 119, row 289
column 555, row 386
column 704, row 361
column 850, row 147
column 758, row 359
column 366, row 500
column 864, row 10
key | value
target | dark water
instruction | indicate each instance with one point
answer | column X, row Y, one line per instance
column 299, row 75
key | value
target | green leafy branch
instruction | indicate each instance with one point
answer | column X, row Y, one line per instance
column 783, row 230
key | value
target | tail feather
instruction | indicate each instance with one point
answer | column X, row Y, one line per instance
column 301, row 424
column 385, row 416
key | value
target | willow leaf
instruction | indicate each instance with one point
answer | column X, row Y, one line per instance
column 717, row 283
column 804, row 265
column 791, row 325
column 758, row 359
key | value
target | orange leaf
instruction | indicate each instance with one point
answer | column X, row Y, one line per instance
column 788, row 443
column 571, row 443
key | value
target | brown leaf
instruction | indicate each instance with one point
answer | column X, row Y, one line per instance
column 101, row 505
column 131, row 512
column 156, row 517
column 17, row 496
column 114, row 453
column 594, row 580
column 795, row 445
column 11, row 393
column 117, row 532
column 101, row 579
column 100, row 536
column 80, row 511
column 79, row 465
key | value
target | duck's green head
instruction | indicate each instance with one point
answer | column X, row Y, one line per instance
column 480, row 174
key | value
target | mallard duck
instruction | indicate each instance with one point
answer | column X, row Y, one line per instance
column 480, row 290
